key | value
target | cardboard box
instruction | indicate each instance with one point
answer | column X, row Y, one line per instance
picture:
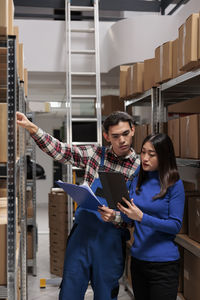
column 175, row 59
column 3, row 132
column 57, row 253
column 167, row 61
column 16, row 33
column 25, row 82
column 3, row 55
column 21, row 62
column 3, row 207
column 129, row 84
column 149, row 73
column 57, row 202
column 189, row 186
column 59, row 222
column 158, row 64
column 191, row 286
column 140, row 134
column 128, row 267
column 190, row 136
column 3, row 253
column 181, row 272
column 10, row 16
column 190, row 106
column 57, row 239
column 194, row 218
column 3, row 188
column 110, row 104
column 188, row 43
column 199, row 40
column 6, row 17
column 163, row 62
column 174, row 134
column 138, row 78
column 149, row 129
column 56, row 268
column 123, row 81
column 3, row 94
column 3, row 75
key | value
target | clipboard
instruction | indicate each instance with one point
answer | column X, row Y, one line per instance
column 114, row 188
column 82, row 194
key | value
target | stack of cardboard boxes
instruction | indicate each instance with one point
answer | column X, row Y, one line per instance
column 189, row 273
column 171, row 59
column 6, row 28
column 58, row 229
column 184, row 128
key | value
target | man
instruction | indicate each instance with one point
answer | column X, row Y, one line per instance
column 94, row 250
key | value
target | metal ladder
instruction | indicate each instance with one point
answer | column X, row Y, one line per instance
column 72, row 74
column 71, row 97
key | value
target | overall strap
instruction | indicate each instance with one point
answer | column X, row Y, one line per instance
column 102, row 157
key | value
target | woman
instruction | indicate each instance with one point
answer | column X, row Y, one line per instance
column 157, row 207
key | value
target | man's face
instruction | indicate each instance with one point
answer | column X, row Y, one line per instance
column 120, row 136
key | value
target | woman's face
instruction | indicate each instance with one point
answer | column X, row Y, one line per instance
column 149, row 157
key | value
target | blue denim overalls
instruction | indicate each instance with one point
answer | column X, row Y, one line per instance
column 95, row 252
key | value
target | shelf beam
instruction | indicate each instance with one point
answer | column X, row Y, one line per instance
column 189, row 244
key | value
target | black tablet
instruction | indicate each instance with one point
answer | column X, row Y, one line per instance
column 114, row 188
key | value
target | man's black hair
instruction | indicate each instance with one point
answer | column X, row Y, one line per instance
column 116, row 117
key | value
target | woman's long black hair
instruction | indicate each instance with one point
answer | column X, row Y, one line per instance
column 167, row 168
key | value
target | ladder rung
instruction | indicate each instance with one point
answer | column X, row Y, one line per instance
column 83, row 30
column 82, row 51
column 83, row 96
column 82, row 8
column 85, row 143
column 83, row 73
column 84, row 119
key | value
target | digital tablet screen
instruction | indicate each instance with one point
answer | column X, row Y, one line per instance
column 114, row 188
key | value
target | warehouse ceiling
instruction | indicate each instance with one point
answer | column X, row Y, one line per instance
column 109, row 10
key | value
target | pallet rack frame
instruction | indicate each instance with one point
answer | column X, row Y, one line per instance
column 175, row 90
column 16, row 260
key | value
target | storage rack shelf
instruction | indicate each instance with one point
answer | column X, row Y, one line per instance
column 177, row 89
column 31, row 221
column 184, row 87
column 14, row 173
column 186, row 162
column 181, row 88
column 189, row 244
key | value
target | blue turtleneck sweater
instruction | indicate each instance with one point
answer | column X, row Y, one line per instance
column 162, row 220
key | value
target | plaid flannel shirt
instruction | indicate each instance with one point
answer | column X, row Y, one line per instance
column 87, row 157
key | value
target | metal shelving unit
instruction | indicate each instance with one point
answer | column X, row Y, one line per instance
column 31, row 150
column 178, row 89
column 182, row 88
column 14, row 173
